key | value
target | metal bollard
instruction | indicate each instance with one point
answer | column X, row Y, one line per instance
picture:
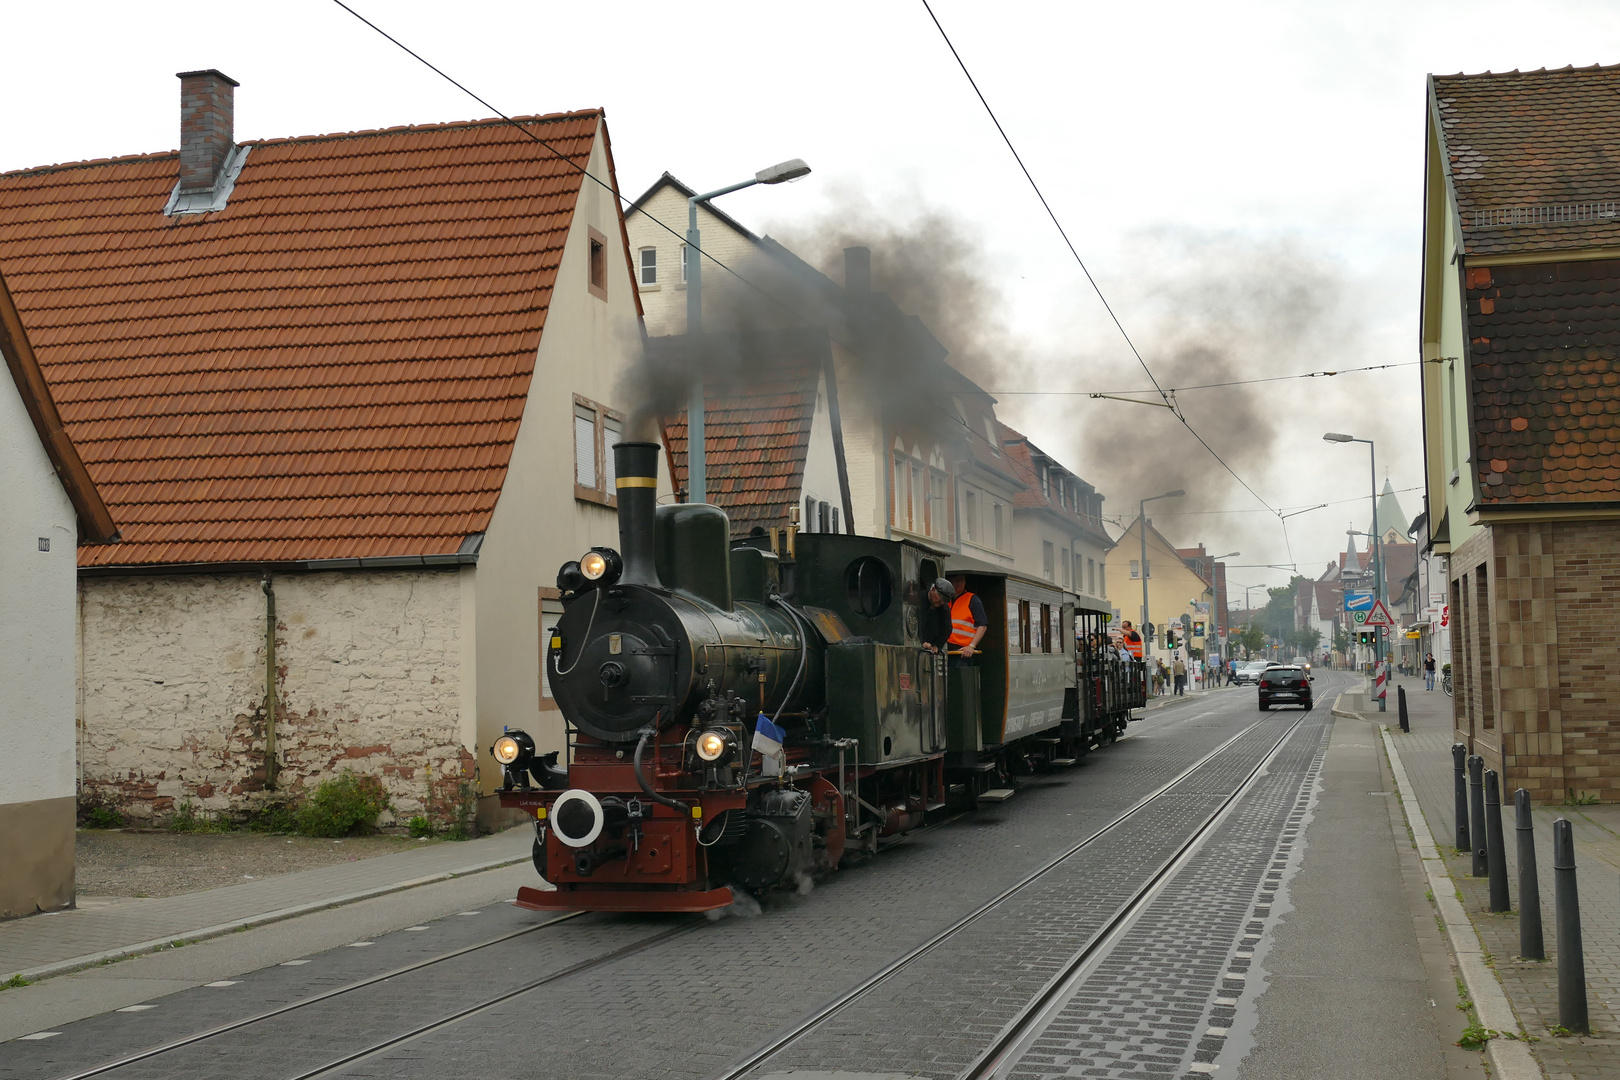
column 1400, row 703
column 1531, row 946
column 1476, row 815
column 1496, row 853
column 1459, row 755
column 1567, row 923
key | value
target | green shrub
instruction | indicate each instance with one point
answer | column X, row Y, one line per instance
column 187, row 818
column 100, row 816
column 272, row 817
column 421, row 826
column 342, row 806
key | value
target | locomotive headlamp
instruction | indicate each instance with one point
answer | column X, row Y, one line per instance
column 506, row 750
column 601, row 566
column 515, row 751
column 593, row 566
column 715, row 746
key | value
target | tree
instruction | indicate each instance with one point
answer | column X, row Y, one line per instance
column 1307, row 640
column 1342, row 641
column 1252, row 638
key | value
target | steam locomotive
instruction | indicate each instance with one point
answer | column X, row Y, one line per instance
column 749, row 714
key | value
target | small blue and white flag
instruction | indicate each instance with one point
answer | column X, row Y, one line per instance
column 768, row 741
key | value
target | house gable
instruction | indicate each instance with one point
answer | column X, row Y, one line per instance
column 334, row 366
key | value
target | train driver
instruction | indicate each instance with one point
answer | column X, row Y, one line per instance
column 968, row 622
column 935, row 624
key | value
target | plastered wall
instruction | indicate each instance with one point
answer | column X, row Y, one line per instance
column 368, row 676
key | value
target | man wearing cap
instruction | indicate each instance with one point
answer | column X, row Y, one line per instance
column 934, row 625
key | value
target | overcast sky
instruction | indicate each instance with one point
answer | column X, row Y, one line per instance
column 1243, row 180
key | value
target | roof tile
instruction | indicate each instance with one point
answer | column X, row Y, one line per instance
column 331, row 367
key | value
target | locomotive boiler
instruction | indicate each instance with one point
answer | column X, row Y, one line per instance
column 748, row 714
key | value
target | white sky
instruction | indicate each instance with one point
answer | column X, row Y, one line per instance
column 1201, row 156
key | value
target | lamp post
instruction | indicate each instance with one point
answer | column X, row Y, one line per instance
column 1141, row 516
column 696, row 447
column 1217, row 606
column 1377, row 546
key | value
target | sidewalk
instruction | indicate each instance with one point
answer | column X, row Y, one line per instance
column 1531, row 986
column 39, row 946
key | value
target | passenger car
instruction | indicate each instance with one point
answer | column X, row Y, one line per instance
column 1249, row 671
column 1285, row 684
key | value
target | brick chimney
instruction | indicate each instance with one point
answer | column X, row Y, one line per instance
column 207, row 113
column 857, row 270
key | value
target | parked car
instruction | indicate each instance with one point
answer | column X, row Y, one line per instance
column 1285, row 684
column 1249, row 671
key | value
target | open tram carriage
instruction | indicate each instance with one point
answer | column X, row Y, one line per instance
column 740, row 716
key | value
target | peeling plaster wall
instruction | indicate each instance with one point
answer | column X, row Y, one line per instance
column 369, row 677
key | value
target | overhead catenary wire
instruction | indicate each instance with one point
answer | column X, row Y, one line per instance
column 1164, row 394
column 1207, row 386
column 621, row 198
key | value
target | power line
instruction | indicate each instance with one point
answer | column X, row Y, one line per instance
column 1206, row 386
column 1163, row 394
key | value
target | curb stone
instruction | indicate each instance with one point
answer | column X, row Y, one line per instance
column 1510, row 1058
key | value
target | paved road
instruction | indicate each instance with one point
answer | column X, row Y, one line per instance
column 1178, row 995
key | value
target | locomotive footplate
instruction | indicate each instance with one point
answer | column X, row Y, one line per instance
column 650, row 900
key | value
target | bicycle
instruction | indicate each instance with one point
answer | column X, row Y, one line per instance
column 1445, row 683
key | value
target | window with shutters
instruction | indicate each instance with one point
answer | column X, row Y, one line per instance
column 596, row 429
column 809, row 522
column 835, row 526
column 823, row 517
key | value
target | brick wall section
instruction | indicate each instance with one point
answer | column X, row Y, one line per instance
column 368, row 678
column 1554, row 588
column 207, row 126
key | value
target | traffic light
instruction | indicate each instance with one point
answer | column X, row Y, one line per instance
column 1367, row 637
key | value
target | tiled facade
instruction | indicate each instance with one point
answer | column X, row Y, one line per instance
column 1536, row 677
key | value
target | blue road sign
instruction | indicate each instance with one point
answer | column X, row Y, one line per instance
column 1358, row 601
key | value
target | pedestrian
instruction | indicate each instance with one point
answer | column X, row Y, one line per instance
column 1181, row 676
column 1231, row 671
column 1428, row 672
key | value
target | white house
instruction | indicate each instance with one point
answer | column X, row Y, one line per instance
column 349, row 398
column 47, row 505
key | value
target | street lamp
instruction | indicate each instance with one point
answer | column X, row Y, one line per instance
column 696, row 447
column 1216, row 606
column 1377, row 545
column 1141, row 513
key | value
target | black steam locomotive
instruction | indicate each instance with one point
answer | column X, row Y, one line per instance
column 749, row 714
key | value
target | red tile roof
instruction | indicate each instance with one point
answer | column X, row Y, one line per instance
column 95, row 521
column 1544, row 370
column 1532, row 157
column 757, row 420
column 334, row 366
column 1022, row 453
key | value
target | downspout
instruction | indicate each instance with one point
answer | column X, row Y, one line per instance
column 269, row 682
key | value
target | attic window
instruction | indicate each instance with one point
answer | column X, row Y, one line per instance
column 598, row 265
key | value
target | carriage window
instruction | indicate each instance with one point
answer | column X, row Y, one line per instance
column 1024, row 644
column 1046, row 628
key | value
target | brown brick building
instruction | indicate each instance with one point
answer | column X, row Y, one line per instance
column 1521, row 394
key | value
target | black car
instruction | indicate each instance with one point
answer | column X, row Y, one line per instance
column 1285, row 684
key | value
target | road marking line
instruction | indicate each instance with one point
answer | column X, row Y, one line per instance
column 135, row 1008
column 359, row 944
column 224, row 982
column 410, row 928
column 39, row 1035
column 293, row 963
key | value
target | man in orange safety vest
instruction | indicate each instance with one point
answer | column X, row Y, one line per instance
column 1133, row 640
column 968, row 622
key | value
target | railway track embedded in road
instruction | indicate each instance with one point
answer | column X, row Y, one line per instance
column 999, row 1056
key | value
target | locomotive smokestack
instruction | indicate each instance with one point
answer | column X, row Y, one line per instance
column 635, row 465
